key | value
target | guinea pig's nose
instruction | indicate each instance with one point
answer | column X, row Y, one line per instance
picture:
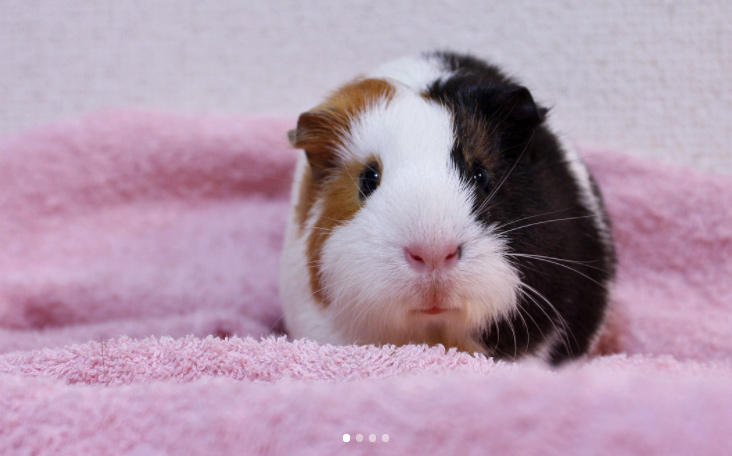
column 424, row 258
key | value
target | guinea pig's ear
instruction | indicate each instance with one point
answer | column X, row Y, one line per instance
column 520, row 109
column 316, row 134
column 292, row 136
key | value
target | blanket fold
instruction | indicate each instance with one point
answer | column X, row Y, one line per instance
column 139, row 314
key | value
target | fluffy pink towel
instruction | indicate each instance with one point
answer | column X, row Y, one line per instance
column 140, row 251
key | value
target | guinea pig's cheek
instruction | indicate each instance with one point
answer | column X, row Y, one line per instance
column 364, row 291
column 489, row 282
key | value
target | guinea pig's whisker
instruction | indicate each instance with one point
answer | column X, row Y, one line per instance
column 503, row 180
column 355, row 184
column 539, row 258
column 538, row 294
column 567, row 332
column 533, row 301
column 538, row 271
column 560, row 331
column 537, row 215
column 536, row 325
column 337, row 222
column 498, row 336
column 564, row 331
column 482, row 208
column 542, row 257
column 271, row 327
column 547, row 221
column 528, row 335
column 305, row 227
column 515, row 342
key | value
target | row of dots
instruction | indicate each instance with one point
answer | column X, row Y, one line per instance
column 372, row 437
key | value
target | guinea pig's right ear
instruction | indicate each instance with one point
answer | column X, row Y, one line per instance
column 523, row 112
column 316, row 134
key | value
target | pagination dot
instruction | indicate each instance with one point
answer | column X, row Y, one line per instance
column 346, row 437
column 372, row 438
column 385, row 438
column 359, row 437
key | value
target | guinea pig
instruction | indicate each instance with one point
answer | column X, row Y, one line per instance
column 432, row 204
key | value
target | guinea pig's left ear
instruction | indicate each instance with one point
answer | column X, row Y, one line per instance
column 292, row 136
column 298, row 136
column 520, row 109
column 316, row 134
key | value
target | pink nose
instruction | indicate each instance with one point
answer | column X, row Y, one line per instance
column 424, row 258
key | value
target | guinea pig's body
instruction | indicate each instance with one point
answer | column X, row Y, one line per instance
column 432, row 205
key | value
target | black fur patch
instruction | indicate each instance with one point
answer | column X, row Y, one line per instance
column 536, row 203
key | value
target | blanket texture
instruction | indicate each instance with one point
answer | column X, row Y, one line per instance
column 139, row 314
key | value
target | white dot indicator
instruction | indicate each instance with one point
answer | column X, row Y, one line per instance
column 346, row 437
column 372, row 438
column 359, row 437
column 385, row 438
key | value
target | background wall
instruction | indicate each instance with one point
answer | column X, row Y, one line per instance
column 651, row 78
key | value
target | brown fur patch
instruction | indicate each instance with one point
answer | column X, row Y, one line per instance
column 320, row 132
column 477, row 142
column 322, row 128
column 307, row 195
column 340, row 196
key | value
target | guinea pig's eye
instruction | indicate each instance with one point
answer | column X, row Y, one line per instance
column 369, row 180
column 481, row 178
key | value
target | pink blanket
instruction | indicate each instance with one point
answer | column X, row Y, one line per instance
column 138, row 278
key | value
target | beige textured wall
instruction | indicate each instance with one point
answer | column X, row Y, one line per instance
column 651, row 78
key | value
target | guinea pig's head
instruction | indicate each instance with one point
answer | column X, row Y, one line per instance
column 396, row 211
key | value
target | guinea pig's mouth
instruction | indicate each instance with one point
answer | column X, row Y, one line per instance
column 438, row 302
column 435, row 310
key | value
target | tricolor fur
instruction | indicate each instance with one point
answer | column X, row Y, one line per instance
column 432, row 205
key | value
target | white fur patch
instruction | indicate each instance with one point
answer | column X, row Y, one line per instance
column 588, row 197
column 416, row 72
